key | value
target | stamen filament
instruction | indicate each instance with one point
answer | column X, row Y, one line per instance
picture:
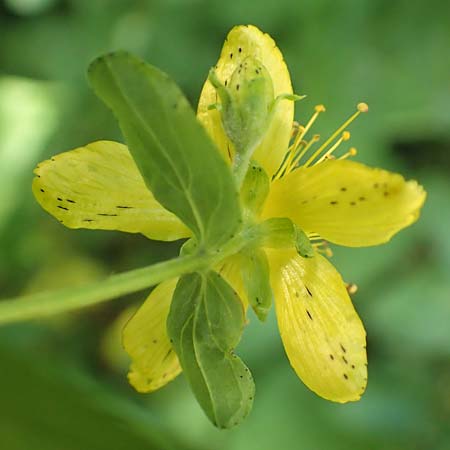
column 299, row 138
column 287, row 165
column 308, row 145
column 345, row 137
column 361, row 107
column 351, row 152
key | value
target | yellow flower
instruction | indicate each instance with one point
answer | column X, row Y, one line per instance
column 330, row 198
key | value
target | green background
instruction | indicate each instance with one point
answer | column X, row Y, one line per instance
column 62, row 381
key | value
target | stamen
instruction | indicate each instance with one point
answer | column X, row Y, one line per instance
column 302, row 132
column 295, row 129
column 351, row 152
column 352, row 288
column 361, row 108
column 323, row 248
column 345, row 137
column 308, row 145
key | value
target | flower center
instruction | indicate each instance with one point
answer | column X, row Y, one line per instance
column 301, row 147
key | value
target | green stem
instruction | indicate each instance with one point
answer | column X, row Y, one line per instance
column 54, row 302
column 241, row 164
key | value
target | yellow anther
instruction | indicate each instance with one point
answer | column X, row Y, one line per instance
column 352, row 152
column 345, row 137
column 320, row 108
column 295, row 129
column 352, row 288
column 363, row 107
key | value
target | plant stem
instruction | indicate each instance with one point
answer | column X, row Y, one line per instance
column 54, row 302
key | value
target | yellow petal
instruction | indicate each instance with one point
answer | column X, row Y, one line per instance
column 322, row 334
column 231, row 271
column 346, row 202
column 243, row 41
column 99, row 187
column 154, row 363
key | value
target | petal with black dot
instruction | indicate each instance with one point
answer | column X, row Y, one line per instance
column 322, row 334
column 346, row 202
column 98, row 186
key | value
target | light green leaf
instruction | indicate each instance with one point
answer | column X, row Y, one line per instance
column 176, row 158
column 205, row 324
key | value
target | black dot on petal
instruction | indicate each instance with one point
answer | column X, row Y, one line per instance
column 309, row 314
column 343, row 189
column 42, row 190
column 334, row 202
column 237, row 87
column 353, row 203
column 231, row 55
column 361, row 199
column 240, row 50
column 332, row 357
column 345, row 376
column 353, row 366
column 385, row 193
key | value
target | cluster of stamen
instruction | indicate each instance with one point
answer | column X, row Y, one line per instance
column 319, row 245
column 301, row 146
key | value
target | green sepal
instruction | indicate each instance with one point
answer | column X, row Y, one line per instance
column 256, row 279
column 179, row 163
column 281, row 232
column 302, row 243
column 255, row 189
column 205, row 324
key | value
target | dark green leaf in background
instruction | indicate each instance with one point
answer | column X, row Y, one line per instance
column 179, row 163
column 205, row 323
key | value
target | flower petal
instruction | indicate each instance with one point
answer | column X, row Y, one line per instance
column 231, row 271
column 99, row 187
column 346, row 202
column 154, row 363
column 241, row 42
column 322, row 334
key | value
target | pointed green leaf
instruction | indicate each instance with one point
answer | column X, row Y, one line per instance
column 205, row 324
column 176, row 158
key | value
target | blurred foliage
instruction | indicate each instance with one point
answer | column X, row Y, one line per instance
column 63, row 382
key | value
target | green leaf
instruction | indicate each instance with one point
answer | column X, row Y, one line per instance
column 256, row 278
column 205, row 324
column 176, row 158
